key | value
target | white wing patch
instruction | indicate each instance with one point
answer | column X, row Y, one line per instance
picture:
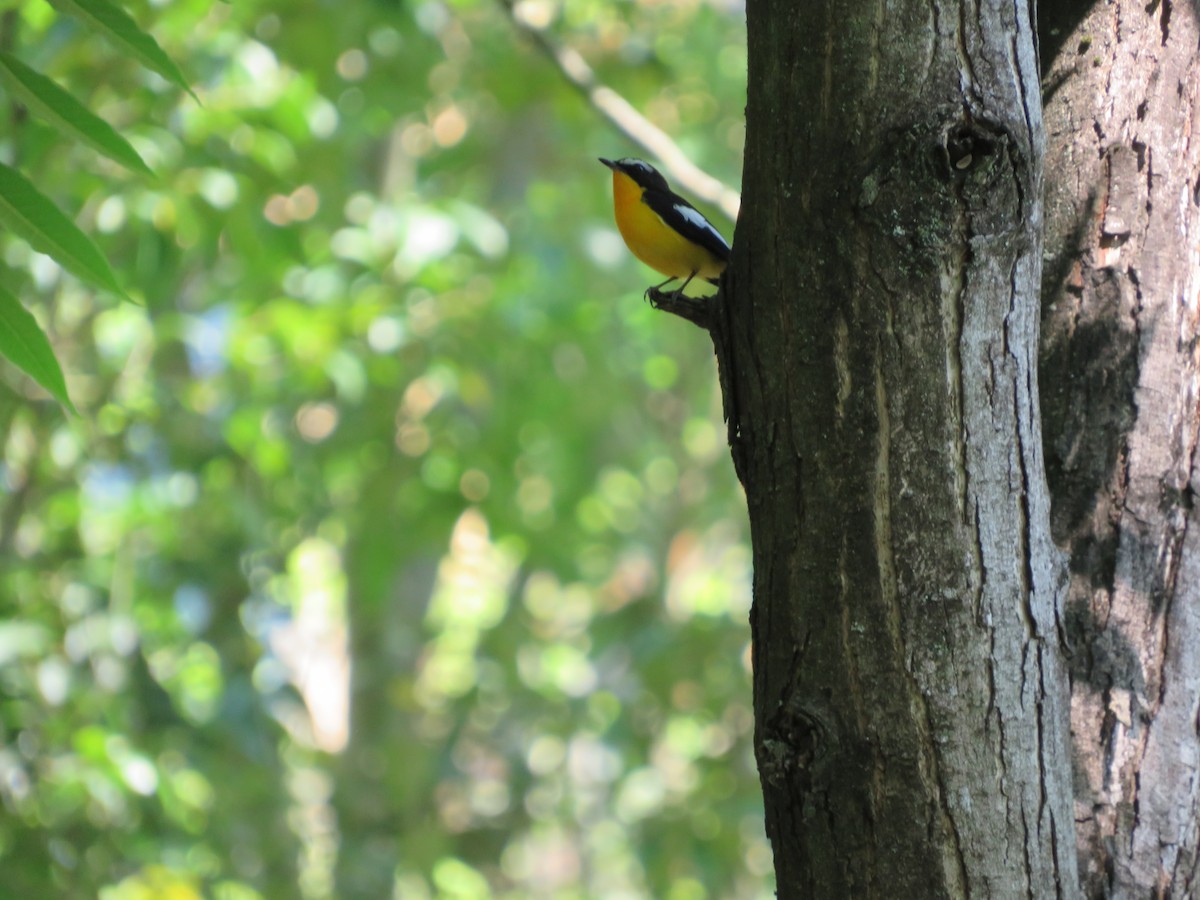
column 699, row 221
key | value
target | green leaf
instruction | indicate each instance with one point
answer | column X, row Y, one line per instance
column 22, row 341
column 49, row 101
column 116, row 24
column 31, row 215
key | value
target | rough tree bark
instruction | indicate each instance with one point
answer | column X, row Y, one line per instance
column 1119, row 378
column 877, row 335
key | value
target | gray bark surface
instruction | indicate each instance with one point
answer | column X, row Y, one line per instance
column 877, row 337
column 1119, row 379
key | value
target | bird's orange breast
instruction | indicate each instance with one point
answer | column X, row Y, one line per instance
column 654, row 242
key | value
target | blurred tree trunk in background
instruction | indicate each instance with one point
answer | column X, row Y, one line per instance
column 1118, row 378
column 881, row 325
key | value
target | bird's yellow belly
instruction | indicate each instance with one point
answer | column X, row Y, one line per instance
column 656, row 244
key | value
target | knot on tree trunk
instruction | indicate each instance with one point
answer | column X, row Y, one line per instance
column 792, row 741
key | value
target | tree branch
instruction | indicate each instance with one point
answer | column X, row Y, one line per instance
column 629, row 121
column 697, row 310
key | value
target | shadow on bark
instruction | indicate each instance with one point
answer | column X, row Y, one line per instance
column 1088, row 371
column 1056, row 21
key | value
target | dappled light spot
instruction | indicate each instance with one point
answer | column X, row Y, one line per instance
column 193, row 607
column 277, row 210
column 664, row 112
column 353, row 244
column 546, row 754
column 444, row 78
column 662, row 475
column 474, row 390
column 701, row 440
column 641, row 794
column 592, row 514
column 178, row 489
column 557, row 668
column 322, row 118
column 547, row 858
column 428, row 235
column 164, row 216
column 489, row 797
column 385, row 334
column 457, row 879
column 617, row 504
column 187, row 794
column 474, row 485
column 192, row 677
column 304, row 203
column 352, row 64
column 137, row 772
column 156, row 881
column 44, row 269
column 660, row 371
column 439, row 471
column 449, row 126
column 535, row 13
column 359, row 208
column 261, row 65
column 316, row 421
column 385, row 41
column 421, row 396
column 65, row 448
column 591, row 761
column 560, row 611
column 412, row 438
column 54, row 680
column 605, row 247
column 121, row 330
column 218, row 187
column 299, row 206
column 110, row 217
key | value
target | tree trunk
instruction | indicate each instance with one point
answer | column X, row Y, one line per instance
column 1119, row 375
column 878, row 335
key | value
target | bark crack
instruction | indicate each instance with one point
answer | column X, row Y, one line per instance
column 1025, row 543
column 966, row 67
column 952, row 319
column 1025, row 852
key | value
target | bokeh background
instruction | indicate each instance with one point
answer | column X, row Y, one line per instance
column 396, row 550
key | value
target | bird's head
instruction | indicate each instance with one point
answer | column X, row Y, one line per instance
column 642, row 173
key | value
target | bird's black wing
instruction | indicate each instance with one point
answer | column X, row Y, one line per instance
column 687, row 220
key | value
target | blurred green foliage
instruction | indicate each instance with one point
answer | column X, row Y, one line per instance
column 395, row 551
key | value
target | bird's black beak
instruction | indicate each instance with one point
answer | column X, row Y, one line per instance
column 608, row 162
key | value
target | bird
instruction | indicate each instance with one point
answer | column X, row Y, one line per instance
column 661, row 228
